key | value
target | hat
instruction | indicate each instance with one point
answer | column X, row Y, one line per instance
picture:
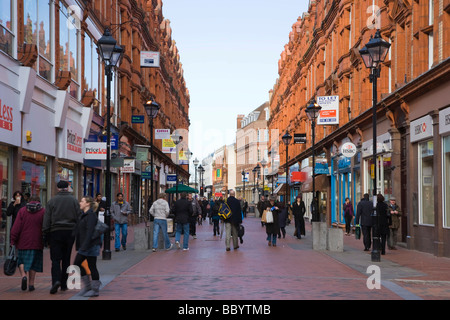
column 62, row 184
column 392, row 198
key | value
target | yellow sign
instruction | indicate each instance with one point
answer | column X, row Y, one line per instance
column 168, row 143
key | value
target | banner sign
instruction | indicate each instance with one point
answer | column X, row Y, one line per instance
column 329, row 115
column 161, row 134
column 168, row 146
column 95, row 151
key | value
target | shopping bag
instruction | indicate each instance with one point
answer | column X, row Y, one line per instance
column 10, row 265
column 357, row 232
column 269, row 217
column 264, row 217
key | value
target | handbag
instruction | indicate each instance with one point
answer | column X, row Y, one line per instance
column 10, row 265
column 100, row 228
column 357, row 232
column 264, row 217
column 269, row 217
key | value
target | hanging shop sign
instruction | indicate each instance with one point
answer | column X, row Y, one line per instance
column 329, row 115
column 150, row 59
column 421, row 128
column 162, row 134
column 348, row 150
column 95, row 151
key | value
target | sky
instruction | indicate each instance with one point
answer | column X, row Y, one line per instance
column 230, row 52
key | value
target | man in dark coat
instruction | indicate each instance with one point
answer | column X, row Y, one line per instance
column 364, row 212
column 182, row 210
column 232, row 224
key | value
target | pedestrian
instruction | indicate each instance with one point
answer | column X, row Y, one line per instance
column 282, row 218
column 88, row 246
column 384, row 221
column 261, row 206
column 101, row 204
column 182, row 210
column 26, row 236
column 215, row 217
column 196, row 212
column 364, row 212
column 245, row 208
column 120, row 210
column 160, row 211
column 232, row 223
column 273, row 228
column 299, row 210
column 60, row 219
column 396, row 215
column 348, row 215
column 17, row 203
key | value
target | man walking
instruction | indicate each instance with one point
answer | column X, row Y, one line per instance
column 160, row 210
column 364, row 212
column 60, row 219
column 120, row 210
column 232, row 224
column 196, row 211
column 182, row 210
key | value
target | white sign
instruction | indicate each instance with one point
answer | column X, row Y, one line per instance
column 95, row 151
column 162, row 134
column 421, row 128
column 329, row 115
column 150, row 59
column 128, row 166
column 10, row 117
column 444, row 121
column 384, row 144
column 348, row 150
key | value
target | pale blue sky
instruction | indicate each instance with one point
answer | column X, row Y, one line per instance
column 229, row 51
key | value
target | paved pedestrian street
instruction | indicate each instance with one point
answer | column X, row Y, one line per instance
column 255, row 271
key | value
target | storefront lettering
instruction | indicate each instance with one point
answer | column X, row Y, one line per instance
column 447, row 120
column 74, row 142
column 6, row 117
column 420, row 128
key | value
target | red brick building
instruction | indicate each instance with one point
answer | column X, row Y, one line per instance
column 322, row 59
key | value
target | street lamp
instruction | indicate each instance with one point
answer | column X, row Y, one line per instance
column 243, row 180
column 201, row 170
column 111, row 54
column 313, row 112
column 287, row 140
column 176, row 138
column 152, row 109
column 256, row 171
column 263, row 164
column 196, row 162
column 373, row 54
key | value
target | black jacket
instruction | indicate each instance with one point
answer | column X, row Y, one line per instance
column 182, row 210
column 84, row 230
column 61, row 213
column 364, row 211
column 236, row 213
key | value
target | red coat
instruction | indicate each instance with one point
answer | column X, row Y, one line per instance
column 26, row 233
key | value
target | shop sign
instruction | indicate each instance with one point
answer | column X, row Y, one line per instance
column 9, row 117
column 128, row 166
column 348, row 150
column 421, row 128
column 321, row 167
column 162, row 134
column 299, row 138
column 384, row 144
column 150, row 59
column 329, row 115
column 168, row 146
column 299, row 176
column 444, row 121
column 95, row 151
column 171, row 178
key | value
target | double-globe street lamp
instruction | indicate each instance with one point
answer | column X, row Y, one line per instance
column 201, row 171
column 313, row 112
column 176, row 138
column 373, row 54
column 152, row 109
column 111, row 54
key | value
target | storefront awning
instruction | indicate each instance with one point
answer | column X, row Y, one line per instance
column 278, row 188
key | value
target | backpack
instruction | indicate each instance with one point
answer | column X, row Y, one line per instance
column 224, row 211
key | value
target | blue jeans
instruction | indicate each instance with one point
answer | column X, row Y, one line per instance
column 117, row 229
column 185, row 228
column 274, row 238
column 157, row 225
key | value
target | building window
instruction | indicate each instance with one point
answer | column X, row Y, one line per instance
column 91, row 66
column 426, row 183
column 6, row 27
column 446, row 184
column 37, row 30
column 68, row 48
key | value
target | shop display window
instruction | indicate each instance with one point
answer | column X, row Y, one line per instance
column 446, row 180
column 34, row 175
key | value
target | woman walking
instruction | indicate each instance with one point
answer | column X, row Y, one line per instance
column 17, row 203
column 299, row 210
column 384, row 221
column 26, row 235
column 88, row 247
column 273, row 228
column 348, row 215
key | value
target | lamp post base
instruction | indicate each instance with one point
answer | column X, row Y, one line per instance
column 106, row 255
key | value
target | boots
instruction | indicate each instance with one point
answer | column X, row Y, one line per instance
column 95, row 288
column 86, row 285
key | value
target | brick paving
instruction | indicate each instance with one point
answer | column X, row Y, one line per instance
column 255, row 271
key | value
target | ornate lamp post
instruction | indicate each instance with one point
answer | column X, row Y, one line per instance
column 287, row 140
column 111, row 54
column 373, row 54
column 313, row 112
column 152, row 109
column 195, row 162
column 263, row 165
column 176, row 138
